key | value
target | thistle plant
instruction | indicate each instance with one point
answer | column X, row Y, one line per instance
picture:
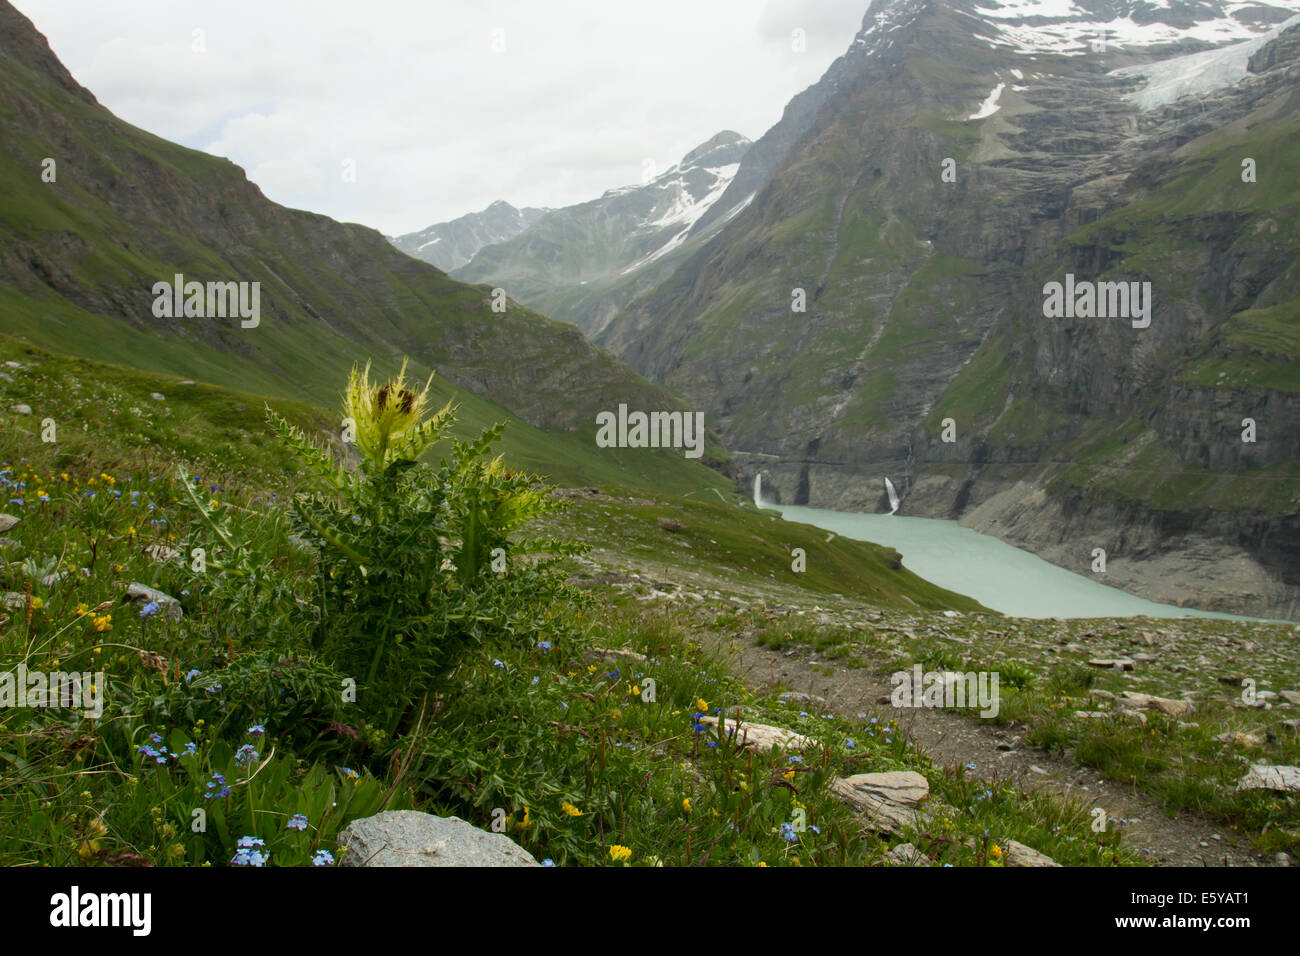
column 416, row 564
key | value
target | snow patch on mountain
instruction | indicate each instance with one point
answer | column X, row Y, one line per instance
column 1196, row 73
column 1062, row 27
column 990, row 104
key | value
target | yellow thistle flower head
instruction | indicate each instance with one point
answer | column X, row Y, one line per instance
column 619, row 853
column 389, row 418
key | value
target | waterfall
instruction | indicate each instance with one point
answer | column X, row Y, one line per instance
column 894, row 501
column 758, row 490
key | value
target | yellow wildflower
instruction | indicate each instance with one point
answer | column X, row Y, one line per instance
column 686, row 804
column 570, row 809
column 995, row 851
column 619, row 853
column 37, row 602
column 701, row 704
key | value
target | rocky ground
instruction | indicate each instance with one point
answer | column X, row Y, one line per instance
column 1214, row 698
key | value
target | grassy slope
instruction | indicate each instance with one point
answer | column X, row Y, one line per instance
column 128, row 209
column 204, row 413
column 660, row 791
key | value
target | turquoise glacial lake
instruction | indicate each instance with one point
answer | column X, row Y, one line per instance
column 998, row 575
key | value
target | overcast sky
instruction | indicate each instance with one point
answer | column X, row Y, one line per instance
column 577, row 95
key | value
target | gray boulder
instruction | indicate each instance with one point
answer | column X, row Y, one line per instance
column 411, row 838
column 142, row 594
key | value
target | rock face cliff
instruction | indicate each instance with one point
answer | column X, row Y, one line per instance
column 881, row 307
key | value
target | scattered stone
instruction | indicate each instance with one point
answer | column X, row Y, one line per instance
column 22, row 409
column 1171, row 708
column 6, row 543
column 1290, row 696
column 671, row 524
column 411, row 838
column 905, row 854
column 1119, row 663
column 13, row 365
column 795, row 695
column 8, row 521
column 142, row 594
column 158, row 396
column 186, row 382
column 886, row 802
column 1017, row 854
column 763, row 737
column 1282, row 858
column 1240, row 739
column 600, row 653
column 1266, row 777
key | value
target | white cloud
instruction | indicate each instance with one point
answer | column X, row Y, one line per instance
column 437, row 123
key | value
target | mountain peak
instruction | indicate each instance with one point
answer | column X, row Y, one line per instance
column 728, row 145
column 22, row 43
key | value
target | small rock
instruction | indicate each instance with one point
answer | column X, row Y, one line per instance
column 1290, row 696
column 411, row 838
column 1268, row 777
column 886, row 802
column 1119, row 663
column 1171, row 708
column 21, row 409
column 186, row 382
column 158, row 396
column 1282, row 858
column 8, row 521
column 1240, row 739
column 142, row 594
column 600, row 653
column 671, row 524
column 763, row 737
column 1017, row 854
column 905, row 854
column 13, row 365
